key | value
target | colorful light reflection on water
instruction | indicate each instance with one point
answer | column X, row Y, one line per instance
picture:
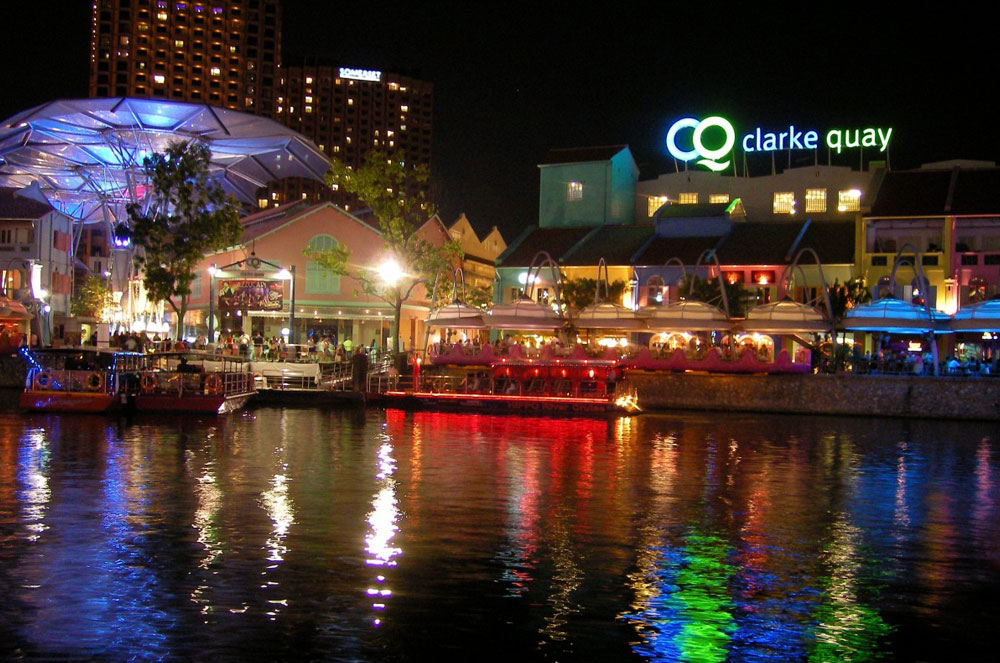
column 347, row 536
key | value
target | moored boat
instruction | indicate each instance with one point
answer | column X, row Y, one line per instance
column 193, row 382
column 552, row 386
column 79, row 380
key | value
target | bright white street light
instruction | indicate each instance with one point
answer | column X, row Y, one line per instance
column 389, row 271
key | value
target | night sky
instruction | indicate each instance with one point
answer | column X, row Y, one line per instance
column 511, row 84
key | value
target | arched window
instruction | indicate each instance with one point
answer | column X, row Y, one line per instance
column 320, row 281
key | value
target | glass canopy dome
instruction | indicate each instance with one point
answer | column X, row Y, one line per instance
column 84, row 156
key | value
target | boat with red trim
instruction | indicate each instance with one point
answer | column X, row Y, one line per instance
column 193, row 381
column 523, row 385
column 79, row 380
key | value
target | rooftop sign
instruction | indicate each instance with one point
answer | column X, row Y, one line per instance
column 361, row 74
column 710, row 150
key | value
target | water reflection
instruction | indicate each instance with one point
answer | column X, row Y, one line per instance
column 279, row 535
column 382, row 529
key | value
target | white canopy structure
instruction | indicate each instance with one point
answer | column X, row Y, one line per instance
column 687, row 316
column 84, row 156
column 457, row 316
column 523, row 314
column 786, row 317
column 608, row 315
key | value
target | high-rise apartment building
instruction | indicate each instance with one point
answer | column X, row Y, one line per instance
column 350, row 112
column 228, row 53
column 221, row 52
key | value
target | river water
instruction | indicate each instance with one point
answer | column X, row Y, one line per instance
column 298, row 534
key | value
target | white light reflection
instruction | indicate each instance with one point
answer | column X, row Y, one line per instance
column 278, row 506
column 35, row 493
column 382, row 527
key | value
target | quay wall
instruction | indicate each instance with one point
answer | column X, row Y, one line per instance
column 971, row 398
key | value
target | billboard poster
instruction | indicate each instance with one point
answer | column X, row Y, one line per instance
column 251, row 294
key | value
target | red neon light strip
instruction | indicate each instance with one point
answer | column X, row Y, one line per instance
column 498, row 397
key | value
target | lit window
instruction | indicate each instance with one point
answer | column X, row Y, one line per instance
column 309, row 80
column 404, row 109
column 815, row 200
column 393, row 86
column 262, row 203
column 574, row 191
column 159, row 79
column 309, row 109
column 718, row 198
column 849, row 201
column 688, row 199
column 179, row 43
column 350, row 102
column 304, row 196
column 309, row 99
column 784, row 202
column 162, row 16
column 215, row 71
column 654, row 203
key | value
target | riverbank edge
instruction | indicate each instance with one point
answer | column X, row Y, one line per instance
column 962, row 398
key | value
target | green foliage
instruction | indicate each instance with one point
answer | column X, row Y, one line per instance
column 707, row 290
column 93, row 297
column 393, row 190
column 578, row 294
column 847, row 296
column 189, row 216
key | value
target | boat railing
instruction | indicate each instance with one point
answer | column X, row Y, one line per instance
column 61, row 379
column 195, row 383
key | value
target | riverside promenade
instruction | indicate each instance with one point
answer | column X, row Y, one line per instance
column 845, row 394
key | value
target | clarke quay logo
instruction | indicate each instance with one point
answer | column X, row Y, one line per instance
column 709, row 150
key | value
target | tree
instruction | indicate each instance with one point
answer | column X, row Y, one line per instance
column 847, row 296
column 707, row 290
column 393, row 190
column 188, row 216
column 93, row 297
column 577, row 294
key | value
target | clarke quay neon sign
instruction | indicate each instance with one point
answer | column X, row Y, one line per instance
column 710, row 151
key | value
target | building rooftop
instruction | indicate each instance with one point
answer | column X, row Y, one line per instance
column 581, row 154
column 555, row 241
column 933, row 192
column 13, row 206
column 616, row 244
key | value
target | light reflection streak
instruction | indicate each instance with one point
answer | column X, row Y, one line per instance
column 685, row 613
column 983, row 503
column 35, row 493
column 209, row 505
column 281, row 511
column 901, row 515
column 382, row 528
column 565, row 580
column 846, row 629
column 521, row 521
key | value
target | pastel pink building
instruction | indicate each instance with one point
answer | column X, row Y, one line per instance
column 253, row 282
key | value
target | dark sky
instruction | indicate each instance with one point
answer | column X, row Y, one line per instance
column 511, row 81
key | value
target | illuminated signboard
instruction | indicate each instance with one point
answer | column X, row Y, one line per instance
column 361, row 74
column 251, row 294
column 710, row 149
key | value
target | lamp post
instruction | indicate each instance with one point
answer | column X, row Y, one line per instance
column 291, row 309
column 389, row 272
column 211, row 302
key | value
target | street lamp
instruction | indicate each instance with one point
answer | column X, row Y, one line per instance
column 289, row 275
column 389, row 271
column 212, row 271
